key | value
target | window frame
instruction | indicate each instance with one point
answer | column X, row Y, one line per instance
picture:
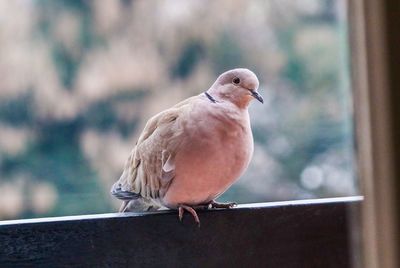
column 373, row 57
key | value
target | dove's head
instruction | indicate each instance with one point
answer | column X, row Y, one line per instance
column 238, row 86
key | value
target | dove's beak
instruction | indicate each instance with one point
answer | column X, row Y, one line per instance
column 256, row 95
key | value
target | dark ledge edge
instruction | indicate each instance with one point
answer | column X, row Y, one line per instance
column 302, row 233
column 301, row 202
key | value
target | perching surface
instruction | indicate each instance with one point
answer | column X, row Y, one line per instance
column 284, row 234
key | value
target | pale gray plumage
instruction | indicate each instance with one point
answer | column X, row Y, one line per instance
column 190, row 154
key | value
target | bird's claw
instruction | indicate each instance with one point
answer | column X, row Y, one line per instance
column 183, row 208
column 214, row 204
column 191, row 210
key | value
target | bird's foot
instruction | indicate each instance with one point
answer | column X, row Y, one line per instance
column 214, row 204
column 201, row 207
column 183, row 208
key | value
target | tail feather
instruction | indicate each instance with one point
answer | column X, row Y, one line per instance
column 119, row 193
column 138, row 205
column 132, row 202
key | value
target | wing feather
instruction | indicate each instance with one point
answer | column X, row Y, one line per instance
column 150, row 166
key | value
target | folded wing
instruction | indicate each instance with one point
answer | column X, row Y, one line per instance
column 151, row 166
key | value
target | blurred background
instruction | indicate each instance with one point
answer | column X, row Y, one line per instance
column 79, row 79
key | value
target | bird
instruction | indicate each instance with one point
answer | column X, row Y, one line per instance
column 191, row 153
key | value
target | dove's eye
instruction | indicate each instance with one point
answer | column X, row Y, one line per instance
column 236, row 80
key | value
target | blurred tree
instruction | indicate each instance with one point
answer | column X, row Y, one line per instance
column 82, row 77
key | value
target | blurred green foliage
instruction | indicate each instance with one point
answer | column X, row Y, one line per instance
column 87, row 98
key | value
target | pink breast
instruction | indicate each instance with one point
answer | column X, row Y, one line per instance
column 206, row 168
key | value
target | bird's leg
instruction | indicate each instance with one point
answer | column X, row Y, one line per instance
column 183, row 208
column 214, row 204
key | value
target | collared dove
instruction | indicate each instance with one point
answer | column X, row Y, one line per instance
column 190, row 154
